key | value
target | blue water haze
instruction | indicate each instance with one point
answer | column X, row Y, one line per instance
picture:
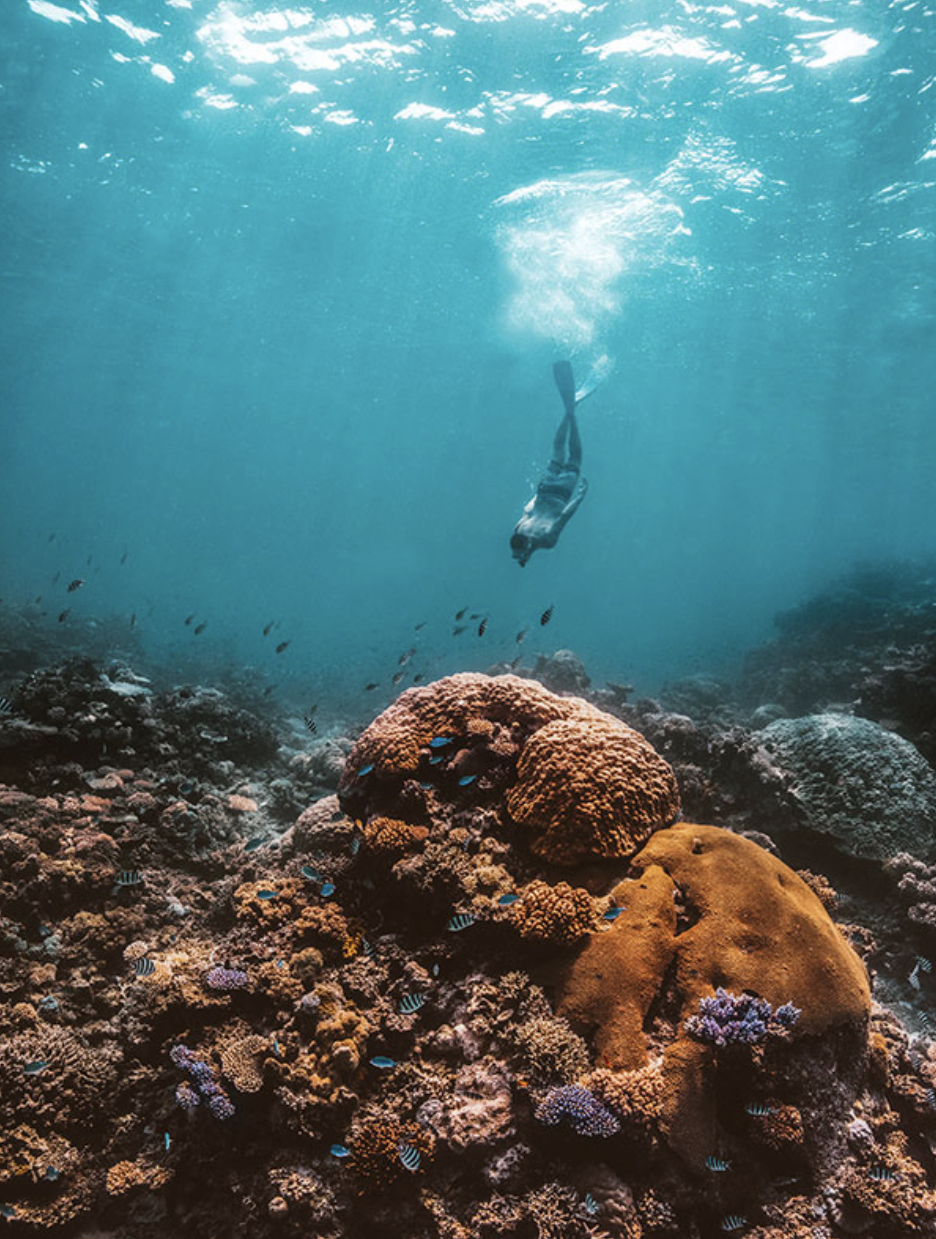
column 282, row 289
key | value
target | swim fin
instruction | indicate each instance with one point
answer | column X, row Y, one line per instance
column 562, row 372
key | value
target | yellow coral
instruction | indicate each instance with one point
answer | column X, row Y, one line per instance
column 547, row 913
column 392, row 837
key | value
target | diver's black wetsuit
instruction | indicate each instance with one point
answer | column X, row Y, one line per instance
column 560, row 490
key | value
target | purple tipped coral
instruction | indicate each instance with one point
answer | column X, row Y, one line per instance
column 738, row 1019
column 205, row 1079
column 226, row 978
column 584, row 1113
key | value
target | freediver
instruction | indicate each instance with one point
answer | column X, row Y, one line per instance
column 561, row 489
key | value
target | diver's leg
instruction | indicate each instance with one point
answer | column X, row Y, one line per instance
column 559, row 443
column 575, row 443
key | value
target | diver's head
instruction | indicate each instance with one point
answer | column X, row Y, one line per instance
column 521, row 547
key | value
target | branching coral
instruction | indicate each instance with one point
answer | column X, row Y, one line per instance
column 579, row 1109
column 738, row 1019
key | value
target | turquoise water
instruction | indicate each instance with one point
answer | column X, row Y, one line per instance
column 282, row 287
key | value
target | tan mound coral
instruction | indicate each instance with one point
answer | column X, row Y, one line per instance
column 708, row 909
column 584, row 784
column 560, row 913
column 590, row 786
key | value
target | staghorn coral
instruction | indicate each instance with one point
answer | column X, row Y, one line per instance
column 547, row 913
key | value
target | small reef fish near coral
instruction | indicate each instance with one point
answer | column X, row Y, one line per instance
column 476, row 967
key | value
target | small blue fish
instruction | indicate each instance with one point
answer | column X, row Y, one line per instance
column 881, row 1174
column 276, row 1048
column 434, row 761
column 266, row 894
column 716, row 1163
column 732, row 1222
column 411, row 1003
column 48, row 1003
column 312, row 875
column 591, row 1204
column 355, row 845
column 281, row 963
column 758, row 1110
column 34, row 1068
column 128, row 877
column 252, row 844
column 383, row 1063
column 51, row 1173
column 409, row 1156
column 144, row 967
column 466, row 779
column 613, row 913
column 6, row 705
column 426, row 786
column 460, row 921
column 339, row 1150
column 7, row 1211
column 365, row 770
column 506, row 900
column 367, row 948
column 439, row 742
column 327, row 889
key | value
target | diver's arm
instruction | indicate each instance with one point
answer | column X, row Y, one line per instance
column 571, row 507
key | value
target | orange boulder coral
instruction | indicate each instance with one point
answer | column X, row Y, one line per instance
column 707, row 909
column 580, row 782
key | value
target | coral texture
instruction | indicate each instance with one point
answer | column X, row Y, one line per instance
column 547, row 913
column 866, row 788
column 707, row 909
column 576, row 780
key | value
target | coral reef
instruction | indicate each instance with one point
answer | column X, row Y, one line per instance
column 489, row 990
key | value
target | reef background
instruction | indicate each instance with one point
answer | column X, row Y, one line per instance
column 282, row 290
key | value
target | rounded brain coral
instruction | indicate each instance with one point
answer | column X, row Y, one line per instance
column 560, row 913
column 579, row 782
column 589, row 786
